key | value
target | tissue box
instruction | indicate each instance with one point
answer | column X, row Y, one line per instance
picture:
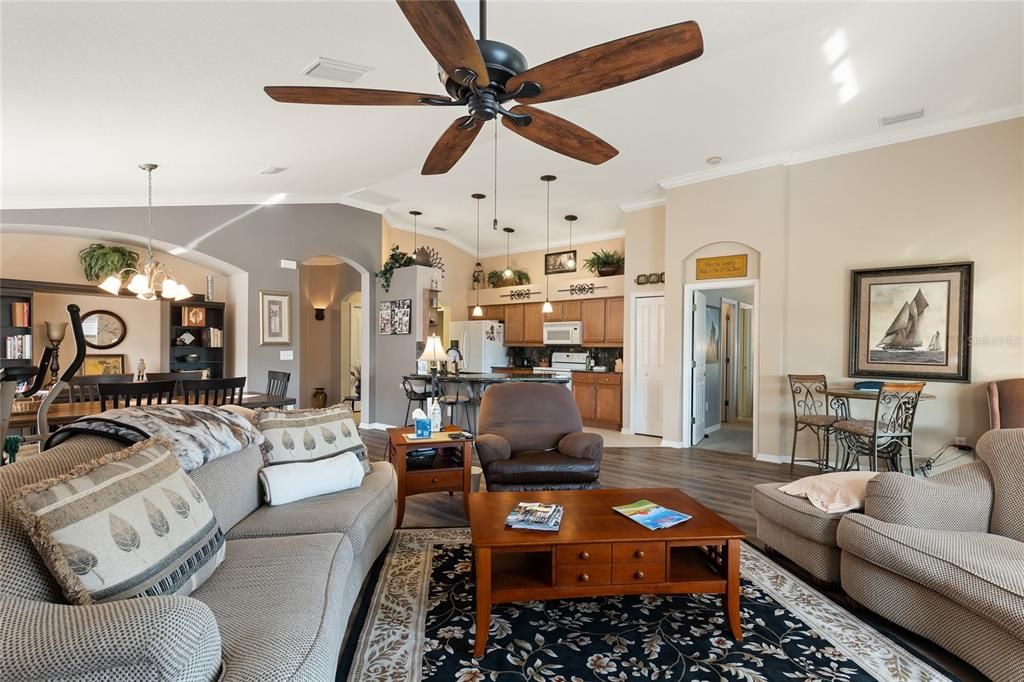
column 422, row 427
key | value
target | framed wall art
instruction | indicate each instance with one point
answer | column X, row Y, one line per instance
column 912, row 322
column 394, row 317
column 558, row 263
column 275, row 318
column 103, row 363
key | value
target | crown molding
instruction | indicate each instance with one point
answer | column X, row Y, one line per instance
column 641, row 204
column 810, row 154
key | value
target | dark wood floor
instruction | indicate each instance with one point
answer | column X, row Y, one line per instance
column 721, row 481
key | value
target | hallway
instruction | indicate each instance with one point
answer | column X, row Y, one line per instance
column 733, row 437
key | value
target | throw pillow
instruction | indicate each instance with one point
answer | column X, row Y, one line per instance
column 841, row 491
column 128, row 524
column 286, row 483
column 297, row 435
column 246, row 413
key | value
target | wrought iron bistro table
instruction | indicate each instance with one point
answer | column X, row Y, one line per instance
column 839, row 398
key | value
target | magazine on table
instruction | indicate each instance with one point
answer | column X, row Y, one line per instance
column 535, row 516
column 652, row 516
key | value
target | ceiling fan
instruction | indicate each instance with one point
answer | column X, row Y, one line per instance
column 483, row 75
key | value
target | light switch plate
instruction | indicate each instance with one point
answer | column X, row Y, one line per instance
column 287, row 355
column 288, row 264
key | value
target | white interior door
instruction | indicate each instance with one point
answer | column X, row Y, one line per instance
column 729, row 360
column 745, row 408
column 649, row 335
column 700, row 366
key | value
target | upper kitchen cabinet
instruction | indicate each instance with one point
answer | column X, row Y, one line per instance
column 602, row 321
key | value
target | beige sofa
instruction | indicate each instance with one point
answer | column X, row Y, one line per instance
column 277, row 608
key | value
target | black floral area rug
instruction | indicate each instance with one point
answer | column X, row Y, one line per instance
column 420, row 627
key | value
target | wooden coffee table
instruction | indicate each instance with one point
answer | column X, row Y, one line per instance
column 600, row 552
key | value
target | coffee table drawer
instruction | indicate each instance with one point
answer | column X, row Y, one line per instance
column 581, row 574
column 424, row 481
column 589, row 553
column 638, row 573
column 639, row 551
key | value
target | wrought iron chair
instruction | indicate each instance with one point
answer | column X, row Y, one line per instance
column 213, row 391
column 461, row 398
column 277, row 383
column 416, row 391
column 810, row 409
column 113, row 396
column 889, row 434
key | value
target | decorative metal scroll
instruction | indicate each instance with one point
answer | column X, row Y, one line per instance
column 519, row 294
column 586, row 289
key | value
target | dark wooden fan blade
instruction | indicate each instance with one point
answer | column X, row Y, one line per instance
column 301, row 94
column 450, row 147
column 561, row 136
column 614, row 63
column 442, row 28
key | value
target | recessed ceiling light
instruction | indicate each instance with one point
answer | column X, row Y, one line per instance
column 713, row 160
column 335, row 70
column 900, row 118
column 441, row 229
column 273, row 170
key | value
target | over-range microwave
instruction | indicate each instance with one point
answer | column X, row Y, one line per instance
column 563, row 333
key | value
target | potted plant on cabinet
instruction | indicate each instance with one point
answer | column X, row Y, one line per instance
column 605, row 263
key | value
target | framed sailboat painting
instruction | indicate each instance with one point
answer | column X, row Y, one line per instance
column 912, row 322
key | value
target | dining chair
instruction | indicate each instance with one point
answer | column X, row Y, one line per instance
column 277, row 383
column 889, row 434
column 416, row 391
column 113, row 396
column 810, row 412
column 85, row 389
column 213, row 391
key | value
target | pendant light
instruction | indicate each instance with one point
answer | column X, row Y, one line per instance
column 417, row 257
column 508, row 268
column 571, row 262
column 152, row 279
column 477, row 310
column 547, row 308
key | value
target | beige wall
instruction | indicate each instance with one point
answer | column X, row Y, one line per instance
column 946, row 198
column 644, row 244
column 458, row 267
column 533, row 261
column 323, row 351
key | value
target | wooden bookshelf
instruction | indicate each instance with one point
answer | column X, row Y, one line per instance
column 10, row 327
column 204, row 333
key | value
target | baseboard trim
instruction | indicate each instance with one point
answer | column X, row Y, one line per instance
column 712, row 429
column 665, row 443
column 782, row 459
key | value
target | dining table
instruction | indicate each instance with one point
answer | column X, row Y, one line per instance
column 24, row 412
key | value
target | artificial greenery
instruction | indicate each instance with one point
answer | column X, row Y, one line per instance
column 603, row 258
column 99, row 261
column 397, row 259
column 496, row 278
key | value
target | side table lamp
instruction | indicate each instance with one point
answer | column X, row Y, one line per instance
column 55, row 334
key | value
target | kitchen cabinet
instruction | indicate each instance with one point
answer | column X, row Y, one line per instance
column 514, row 324
column 533, row 322
column 614, row 310
column 491, row 312
column 599, row 398
column 564, row 311
column 603, row 321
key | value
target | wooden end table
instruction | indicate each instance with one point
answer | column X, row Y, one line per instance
column 599, row 552
column 444, row 474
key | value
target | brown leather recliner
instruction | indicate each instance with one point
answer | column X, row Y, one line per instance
column 530, row 437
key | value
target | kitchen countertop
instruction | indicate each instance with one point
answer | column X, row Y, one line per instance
column 491, row 378
column 510, row 370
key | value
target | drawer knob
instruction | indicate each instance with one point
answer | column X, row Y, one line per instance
column 584, row 555
column 584, row 578
column 639, row 575
column 640, row 554
column 434, row 479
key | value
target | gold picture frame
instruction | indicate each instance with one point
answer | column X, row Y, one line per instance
column 96, row 364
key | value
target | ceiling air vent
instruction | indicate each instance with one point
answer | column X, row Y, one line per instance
column 273, row 170
column 901, row 118
column 334, row 70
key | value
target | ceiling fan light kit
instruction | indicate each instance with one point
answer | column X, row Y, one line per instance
column 484, row 76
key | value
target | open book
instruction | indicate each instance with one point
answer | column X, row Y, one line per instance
column 650, row 515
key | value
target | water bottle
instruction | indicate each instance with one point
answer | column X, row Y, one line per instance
column 435, row 415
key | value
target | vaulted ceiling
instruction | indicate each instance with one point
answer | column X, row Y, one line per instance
column 90, row 89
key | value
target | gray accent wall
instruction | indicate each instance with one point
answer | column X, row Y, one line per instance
column 254, row 239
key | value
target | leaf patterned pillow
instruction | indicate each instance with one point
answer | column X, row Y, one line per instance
column 128, row 524
column 307, row 435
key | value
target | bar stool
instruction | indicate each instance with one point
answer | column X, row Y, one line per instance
column 453, row 402
column 810, row 411
column 416, row 391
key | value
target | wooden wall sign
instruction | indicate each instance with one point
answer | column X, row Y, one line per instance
column 722, row 267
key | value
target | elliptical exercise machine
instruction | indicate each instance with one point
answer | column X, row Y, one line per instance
column 13, row 377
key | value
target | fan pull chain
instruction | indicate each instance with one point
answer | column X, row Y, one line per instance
column 494, row 225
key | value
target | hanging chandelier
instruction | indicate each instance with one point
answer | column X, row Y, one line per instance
column 477, row 310
column 152, row 280
column 547, row 308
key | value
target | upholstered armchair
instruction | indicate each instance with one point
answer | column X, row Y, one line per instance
column 530, row 437
column 944, row 556
column 1006, row 404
